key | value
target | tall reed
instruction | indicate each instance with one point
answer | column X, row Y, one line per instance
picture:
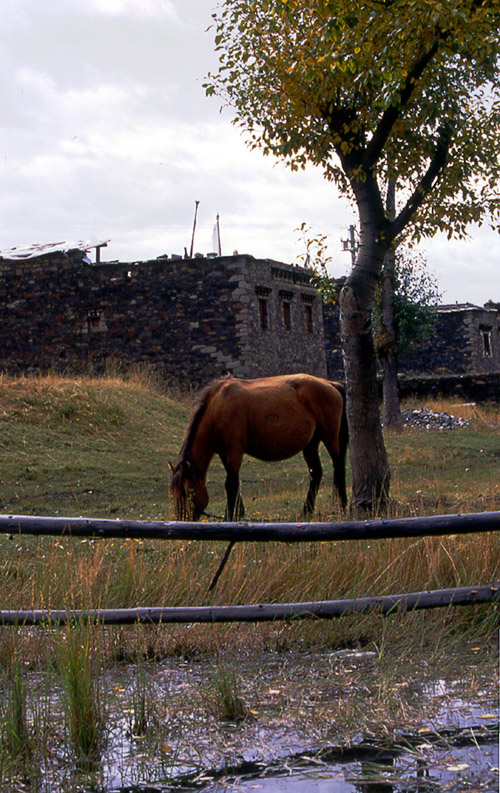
column 82, row 691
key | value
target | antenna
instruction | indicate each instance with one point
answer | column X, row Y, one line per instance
column 194, row 228
column 351, row 245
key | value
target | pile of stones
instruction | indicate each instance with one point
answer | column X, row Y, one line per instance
column 426, row 419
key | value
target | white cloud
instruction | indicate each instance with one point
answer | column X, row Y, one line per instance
column 106, row 131
column 134, row 7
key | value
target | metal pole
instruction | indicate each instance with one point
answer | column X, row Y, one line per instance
column 218, row 236
column 194, row 228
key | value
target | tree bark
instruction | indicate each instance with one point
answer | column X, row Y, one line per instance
column 388, row 352
column 369, row 463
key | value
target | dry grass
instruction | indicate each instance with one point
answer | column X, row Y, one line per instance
column 99, row 448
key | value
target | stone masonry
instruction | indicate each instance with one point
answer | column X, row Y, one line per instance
column 201, row 318
column 194, row 319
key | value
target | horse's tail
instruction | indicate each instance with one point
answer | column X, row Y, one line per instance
column 344, row 427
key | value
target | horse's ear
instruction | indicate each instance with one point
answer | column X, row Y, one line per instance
column 171, row 466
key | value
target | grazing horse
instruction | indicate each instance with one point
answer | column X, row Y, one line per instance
column 271, row 418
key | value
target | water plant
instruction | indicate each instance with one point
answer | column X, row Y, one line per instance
column 81, row 690
column 225, row 696
column 15, row 735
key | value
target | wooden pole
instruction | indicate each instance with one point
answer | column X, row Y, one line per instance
column 326, row 609
column 434, row 526
column 221, row 566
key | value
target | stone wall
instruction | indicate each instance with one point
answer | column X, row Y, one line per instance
column 194, row 319
column 197, row 319
column 465, row 338
column 333, row 350
column 467, row 387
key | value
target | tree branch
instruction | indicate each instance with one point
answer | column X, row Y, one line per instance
column 392, row 113
column 424, row 187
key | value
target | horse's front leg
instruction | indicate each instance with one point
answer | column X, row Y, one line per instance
column 235, row 509
column 311, row 456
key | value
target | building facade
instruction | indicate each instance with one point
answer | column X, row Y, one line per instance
column 194, row 319
column 201, row 318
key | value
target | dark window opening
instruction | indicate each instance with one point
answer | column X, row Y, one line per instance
column 486, row 334
column 309, row 318
column 263, row 313
column 94, row 321
column 286, row 316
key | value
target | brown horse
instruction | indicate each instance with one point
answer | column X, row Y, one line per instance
column 271, row 418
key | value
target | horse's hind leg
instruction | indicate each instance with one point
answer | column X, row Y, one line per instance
column 339, row 480
column 235, row 509
column 311, row 456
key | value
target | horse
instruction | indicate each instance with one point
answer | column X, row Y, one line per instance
column 270, row 418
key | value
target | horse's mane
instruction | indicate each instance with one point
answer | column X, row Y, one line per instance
column 203, row 401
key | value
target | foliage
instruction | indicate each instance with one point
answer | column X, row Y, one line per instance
column 351, row 87
column 415, row 292
column 317, row 258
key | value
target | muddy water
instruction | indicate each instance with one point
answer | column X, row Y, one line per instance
column 313, row 740
column 424, row 767
column 314, row 722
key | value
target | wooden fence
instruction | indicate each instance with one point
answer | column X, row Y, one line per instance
column 256, row 532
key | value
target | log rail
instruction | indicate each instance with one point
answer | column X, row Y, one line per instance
column 433, row 526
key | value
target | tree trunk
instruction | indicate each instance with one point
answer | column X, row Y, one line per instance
column 388, row 353
column 369, row 463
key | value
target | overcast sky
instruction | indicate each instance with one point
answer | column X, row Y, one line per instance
column 107, row 134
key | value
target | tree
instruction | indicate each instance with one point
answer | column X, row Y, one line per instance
column 317, row 259
column 372, row 91
column 402, row 317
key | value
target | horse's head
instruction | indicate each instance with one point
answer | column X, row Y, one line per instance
column 189, row 491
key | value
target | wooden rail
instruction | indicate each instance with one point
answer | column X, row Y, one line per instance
column 438, row 525
column 322, row 609
column 434, row 526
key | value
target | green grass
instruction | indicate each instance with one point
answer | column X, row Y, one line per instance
column 101, row 447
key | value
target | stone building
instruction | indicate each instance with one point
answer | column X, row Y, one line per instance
column 465, row 340
column 200, row 318
column 194, row 319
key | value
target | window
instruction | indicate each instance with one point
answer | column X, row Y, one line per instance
column 309, row 318
column 286, row 316
column 263, row 313
column 263, row 293
column 95, row 321
column 485, row 332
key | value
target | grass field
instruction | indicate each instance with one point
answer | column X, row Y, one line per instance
column 100, row 448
